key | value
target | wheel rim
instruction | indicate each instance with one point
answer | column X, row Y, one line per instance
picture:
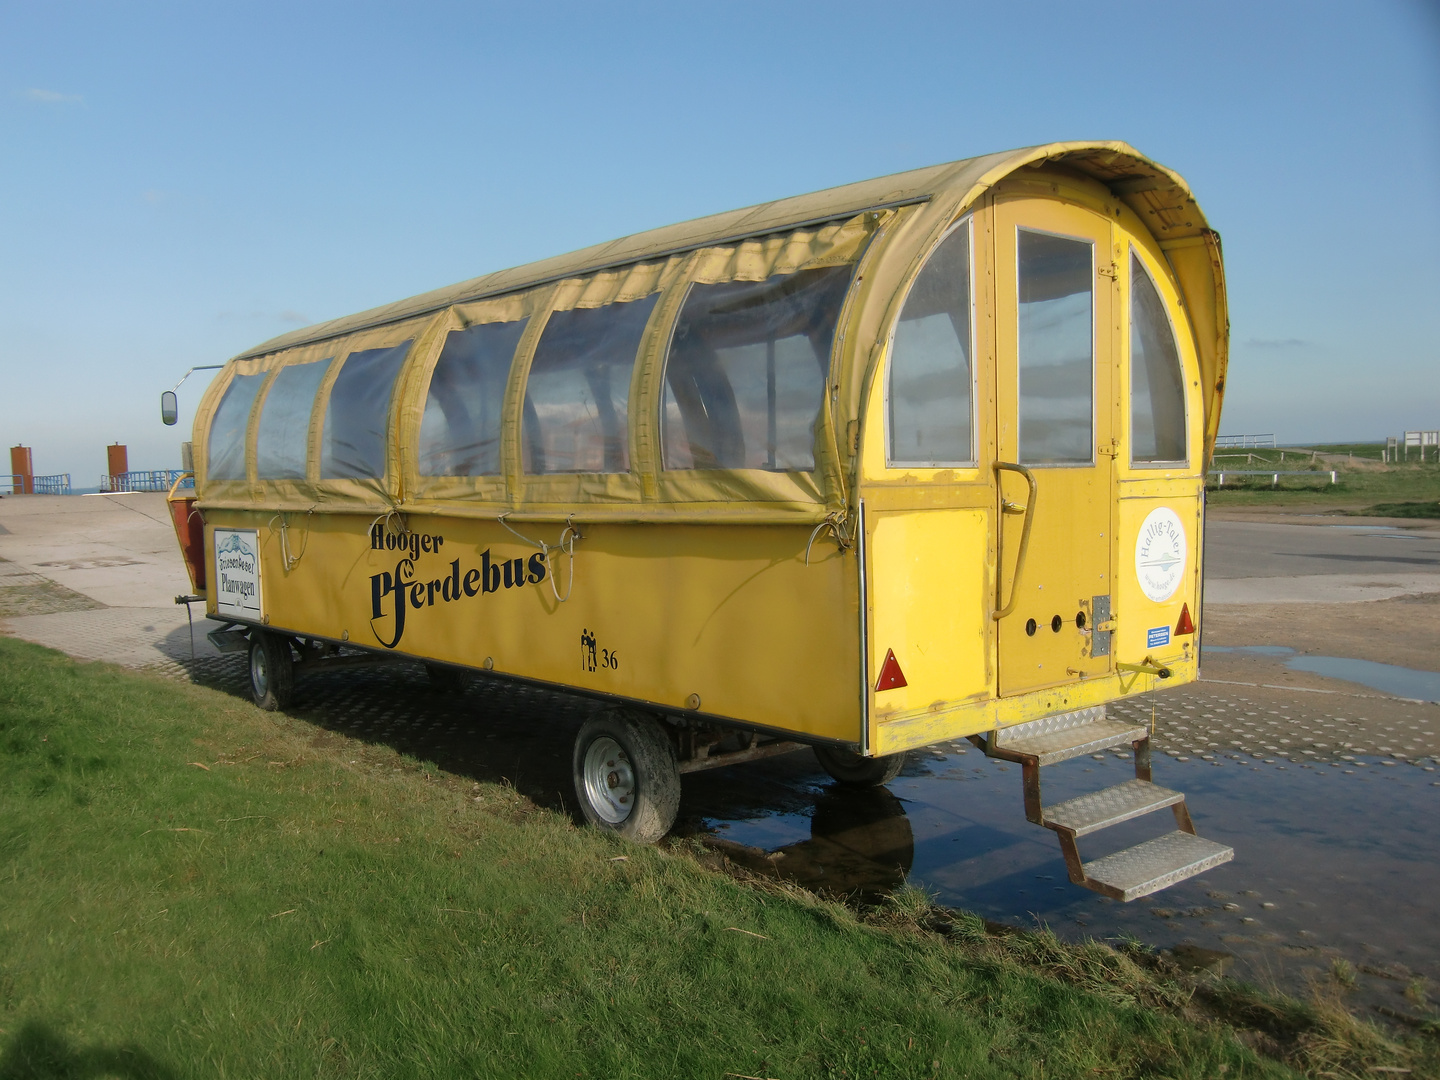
column 609, row 780
column 259, row 677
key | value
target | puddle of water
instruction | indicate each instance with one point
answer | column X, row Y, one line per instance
column 1313, row 878
column 1252, row 650
column 1401, row 681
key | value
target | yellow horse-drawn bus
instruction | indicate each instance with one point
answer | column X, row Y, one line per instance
column 894, row 463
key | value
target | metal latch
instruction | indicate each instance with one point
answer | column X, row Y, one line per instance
column 1148, row 666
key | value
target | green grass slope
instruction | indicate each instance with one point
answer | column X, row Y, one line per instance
column 193, row 888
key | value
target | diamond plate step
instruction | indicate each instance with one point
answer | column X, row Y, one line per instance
column 1049, row 747
column 1101, row 809
column 1154, row 865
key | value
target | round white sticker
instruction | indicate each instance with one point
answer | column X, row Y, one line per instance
column 1160, row 554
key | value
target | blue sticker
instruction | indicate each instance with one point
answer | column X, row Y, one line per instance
column 1157, row 636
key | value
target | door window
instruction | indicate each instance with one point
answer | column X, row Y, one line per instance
column 1056, row 347
column 1157, row 385
column 930, row 373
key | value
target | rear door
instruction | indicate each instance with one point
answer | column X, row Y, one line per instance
column 1055, row 443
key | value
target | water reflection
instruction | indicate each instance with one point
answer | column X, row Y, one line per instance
column 1316, row 876
column 860, row 847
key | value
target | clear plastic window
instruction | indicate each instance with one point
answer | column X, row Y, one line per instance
column 930, row 375
column 358, row 415
column 284, row 437
column 1157, row 385
column 464, row 410
column 1057, row 348
column 745, row 377
column 225, row 459
column 577, row 396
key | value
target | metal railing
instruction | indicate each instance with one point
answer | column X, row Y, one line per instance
column 56, row 484
column 1274, row 474
column 143, row 480
column 1245, row 442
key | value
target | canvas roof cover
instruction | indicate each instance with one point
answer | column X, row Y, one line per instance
column 937, row 194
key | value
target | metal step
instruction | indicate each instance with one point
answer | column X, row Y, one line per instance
column 1049, row 743
column 1154, row 865
column 1101, row 809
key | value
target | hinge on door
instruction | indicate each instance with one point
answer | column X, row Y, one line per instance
column 1112, row 271
column 1110, row 449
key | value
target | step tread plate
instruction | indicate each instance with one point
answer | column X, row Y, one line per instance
column 1154, row 865
column 1101, row 809
column 1055, row 746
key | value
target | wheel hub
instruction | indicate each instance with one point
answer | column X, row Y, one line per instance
column 609, row 780
column 259, row 678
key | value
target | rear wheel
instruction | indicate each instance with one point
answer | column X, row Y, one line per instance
column 625, row 775
column 272, row 670
column 848, row 767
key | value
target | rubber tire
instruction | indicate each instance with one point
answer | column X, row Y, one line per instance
column 651, row 757
column 446, row 679
column 852, row 770
column 271, row 686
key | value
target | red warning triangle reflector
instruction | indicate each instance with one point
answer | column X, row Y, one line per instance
column 1186, row 625
column 891, row 677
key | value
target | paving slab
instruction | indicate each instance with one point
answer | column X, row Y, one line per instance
column 97, row 577
column 119, row 550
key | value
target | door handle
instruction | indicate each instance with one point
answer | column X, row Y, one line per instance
column 1029, row 511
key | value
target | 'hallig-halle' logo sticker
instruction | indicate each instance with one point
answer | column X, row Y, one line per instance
column 1160, row 554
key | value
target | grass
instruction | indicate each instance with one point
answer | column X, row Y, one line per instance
column 1364, row 484
column 196, row 888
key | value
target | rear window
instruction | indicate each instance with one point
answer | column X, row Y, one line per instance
column 930, row 372
column 284, row 437
column 745, row 375
column 464, row 410
column 1157, row 386
column 225, row 456
column 578, row 391
column 358, row 415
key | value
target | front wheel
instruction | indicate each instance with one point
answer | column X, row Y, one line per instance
column 272, row 670
column 625, row 775
column 849, row 768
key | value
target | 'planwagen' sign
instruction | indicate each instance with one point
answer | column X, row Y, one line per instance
column 237, row 573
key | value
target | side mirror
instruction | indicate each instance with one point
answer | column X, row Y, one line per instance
column 169, row 408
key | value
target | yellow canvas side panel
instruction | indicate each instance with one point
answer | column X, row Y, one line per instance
column 928, row 586
column 655, row 613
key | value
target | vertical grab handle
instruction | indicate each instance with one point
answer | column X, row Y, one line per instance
column 1029, row 511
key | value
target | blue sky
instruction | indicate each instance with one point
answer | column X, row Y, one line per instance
column 181, row 181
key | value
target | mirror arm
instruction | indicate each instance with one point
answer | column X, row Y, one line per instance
column 202, row 367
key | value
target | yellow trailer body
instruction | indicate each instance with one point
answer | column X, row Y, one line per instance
column 900, row 462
